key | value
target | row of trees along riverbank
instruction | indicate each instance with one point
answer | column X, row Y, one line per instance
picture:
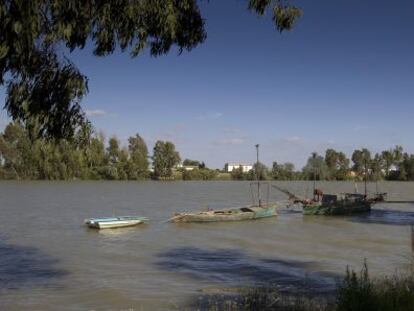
column 89, row 156
column 392, row 164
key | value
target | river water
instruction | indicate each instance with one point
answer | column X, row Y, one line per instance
column 50, row 261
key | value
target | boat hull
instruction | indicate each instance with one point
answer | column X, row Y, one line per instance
column 339, row 208
column 232, row 214
column 114, row 222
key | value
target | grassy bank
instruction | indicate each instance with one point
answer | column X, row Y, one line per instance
column 357, row 292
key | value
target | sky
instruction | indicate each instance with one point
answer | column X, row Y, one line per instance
column 343, row 78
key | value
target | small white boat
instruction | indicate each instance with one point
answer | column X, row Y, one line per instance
column 115, row 222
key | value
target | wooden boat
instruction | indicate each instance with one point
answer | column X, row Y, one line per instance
column 331, row 205
column 114, row 222
column 230, row 214
column 255, row 211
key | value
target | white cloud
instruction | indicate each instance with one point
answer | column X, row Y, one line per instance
column 359, row 128
column 292, row 139
column 231, row 130
column 216, row 115
column 210, row 116
column 173, row 133
column 231, row 141
column 95, row 113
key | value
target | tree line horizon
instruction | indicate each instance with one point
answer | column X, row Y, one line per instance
column 87, row 156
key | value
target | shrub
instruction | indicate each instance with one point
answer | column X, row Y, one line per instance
column 357, row 292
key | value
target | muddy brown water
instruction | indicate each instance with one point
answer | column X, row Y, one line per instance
column 50, row 261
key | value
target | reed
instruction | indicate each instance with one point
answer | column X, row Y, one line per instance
column 356, row 292
column 359, row 291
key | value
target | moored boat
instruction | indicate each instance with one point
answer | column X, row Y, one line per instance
column 256, row 211
column 114, row 222
column 332, row 204
column 344, row 204
column 230, row 214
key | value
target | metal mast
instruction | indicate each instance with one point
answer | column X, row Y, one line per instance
column 366, row 176
column 257, row 177
column 314, row 174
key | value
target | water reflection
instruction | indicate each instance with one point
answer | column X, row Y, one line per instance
column 117, row 232
column 234, row 267
column 385, row 217
column 290, row 210
column 26, row 266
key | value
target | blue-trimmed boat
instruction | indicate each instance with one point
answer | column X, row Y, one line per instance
column 115, row 222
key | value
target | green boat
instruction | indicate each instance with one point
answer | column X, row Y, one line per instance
column 332, row 204
column 344, row 204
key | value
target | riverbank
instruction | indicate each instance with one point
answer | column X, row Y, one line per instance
column 196, row 176
column 358, row 291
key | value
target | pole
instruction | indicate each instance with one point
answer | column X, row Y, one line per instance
column 257, row 176
column 412, row 238
column 366, row 176
column 314, row 175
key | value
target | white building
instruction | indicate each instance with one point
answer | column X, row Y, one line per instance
column 186, row 167
column 230, row 167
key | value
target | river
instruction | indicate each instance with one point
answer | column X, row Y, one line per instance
column 50, row 261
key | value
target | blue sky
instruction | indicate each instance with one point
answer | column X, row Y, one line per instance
column 343, row 78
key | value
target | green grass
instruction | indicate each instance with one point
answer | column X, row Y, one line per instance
column 253, row 299
column 357, row 292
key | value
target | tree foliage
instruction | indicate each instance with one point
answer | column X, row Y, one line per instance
column 388, row 157
column 200, row 174
column 89, row 156
column 45, row 87
column 260, row 172
column 139, row 157
column 284, row 171
column 189, row 162
column 284, row 14
column 362, row 161
column 84, row 157
column 337, row 165
column 315, row 167
column 238, row 174
column 165, row 158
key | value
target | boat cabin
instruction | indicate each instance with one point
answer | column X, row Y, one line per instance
column 329, row 199
column 353, row 197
